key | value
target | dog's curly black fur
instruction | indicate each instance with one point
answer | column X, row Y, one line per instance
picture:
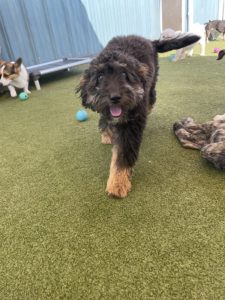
column 120, row 86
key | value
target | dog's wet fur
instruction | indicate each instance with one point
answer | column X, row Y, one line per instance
column 120, row 85
column 208, row 137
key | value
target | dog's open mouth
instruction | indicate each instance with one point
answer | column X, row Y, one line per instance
column 116, row 111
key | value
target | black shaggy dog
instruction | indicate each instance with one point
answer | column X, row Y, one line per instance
column 120, row 86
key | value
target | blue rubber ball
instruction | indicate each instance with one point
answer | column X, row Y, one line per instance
column 81, row 115
column 172, row 57
column 23, row 96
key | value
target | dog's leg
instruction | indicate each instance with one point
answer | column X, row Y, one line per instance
column 119, row 183
column 202, row 47
column 106, row 131
column 12, row 91
column 180, row 54
column 125, row 151
column 190, row 52
column 151, row 99
column 26, row 89
column 106, row 137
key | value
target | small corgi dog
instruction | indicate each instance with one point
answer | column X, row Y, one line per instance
column 14, row 75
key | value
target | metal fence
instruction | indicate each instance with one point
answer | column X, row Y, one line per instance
column 206, row 10
column 44, row 30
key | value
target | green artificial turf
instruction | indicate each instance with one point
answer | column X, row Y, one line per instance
column 62, row 237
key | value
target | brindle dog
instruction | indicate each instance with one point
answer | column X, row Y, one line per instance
column 208, row 137
column 215, row 25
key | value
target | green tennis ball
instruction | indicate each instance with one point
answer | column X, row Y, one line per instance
column 23, row 96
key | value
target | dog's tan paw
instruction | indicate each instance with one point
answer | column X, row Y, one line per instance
column 119, row 190
column 118, row 185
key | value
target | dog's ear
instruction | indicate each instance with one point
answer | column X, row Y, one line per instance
column 82, row 87
column 87, row 88
column 18, row 62
column 221, row 54
column 17, row 65
column 183, row 40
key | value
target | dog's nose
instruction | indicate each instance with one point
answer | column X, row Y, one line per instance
column 115, row 98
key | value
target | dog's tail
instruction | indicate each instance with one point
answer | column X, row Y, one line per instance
column 183, row 40
column 221, row 54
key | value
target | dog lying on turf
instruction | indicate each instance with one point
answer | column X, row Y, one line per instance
column 14, row 75
column 208, row 137
column 120, row 86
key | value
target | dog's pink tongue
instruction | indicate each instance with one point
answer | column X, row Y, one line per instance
column 115, row 110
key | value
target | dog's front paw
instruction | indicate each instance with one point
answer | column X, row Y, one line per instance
column 13, row 94
column 118, row 190
column 119, row 185
column 27, row 91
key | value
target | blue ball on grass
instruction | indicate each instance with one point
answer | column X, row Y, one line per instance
column 172, row 57
column 23, row 96
column 81, row 115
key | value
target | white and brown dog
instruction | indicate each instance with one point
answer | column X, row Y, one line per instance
column 14, row 75
column 197, row 29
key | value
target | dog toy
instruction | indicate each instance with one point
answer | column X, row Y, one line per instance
column 207, row 137
column 216, row 50
column 81, row 116
column 172, row 57
column 23, row 96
